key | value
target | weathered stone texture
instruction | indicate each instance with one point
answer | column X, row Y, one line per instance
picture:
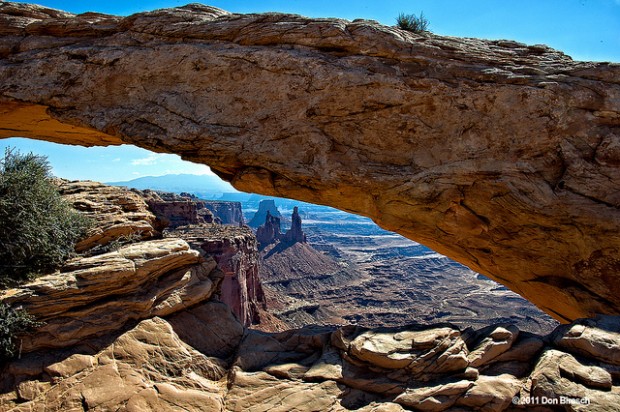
column 235, row 250
column 201, row 358
column 117, row 213
column 500, row 155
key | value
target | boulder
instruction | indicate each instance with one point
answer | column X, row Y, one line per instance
column 491, row 393
column 422, row 353
column 494, row 341
column 597, row 338
column 559, row 377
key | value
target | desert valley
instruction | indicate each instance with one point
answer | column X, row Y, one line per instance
column 428, row 223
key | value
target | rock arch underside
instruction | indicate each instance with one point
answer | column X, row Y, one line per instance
column 502, row 156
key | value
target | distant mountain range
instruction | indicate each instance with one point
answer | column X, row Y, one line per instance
column 202, row 185
column 208, row 187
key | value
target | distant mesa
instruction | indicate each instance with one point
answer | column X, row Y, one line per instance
column 270, row 232
column 172, row 210
column 228, row 213
column 264, row 207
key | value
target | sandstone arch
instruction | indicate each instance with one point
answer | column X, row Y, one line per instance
column 502, row 156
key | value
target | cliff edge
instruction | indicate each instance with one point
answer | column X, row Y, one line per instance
column 134, row 324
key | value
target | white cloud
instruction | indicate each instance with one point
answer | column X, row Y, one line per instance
column 116, row 160
column 147, row 161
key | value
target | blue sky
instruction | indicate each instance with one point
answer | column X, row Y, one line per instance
column 584, row 29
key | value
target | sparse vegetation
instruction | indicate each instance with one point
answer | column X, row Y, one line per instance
column 412, row 23
column 13, row 322
column 38, row 229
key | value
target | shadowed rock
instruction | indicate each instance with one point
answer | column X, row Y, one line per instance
column 265, row 207
column 269, row 232
column 500, row 155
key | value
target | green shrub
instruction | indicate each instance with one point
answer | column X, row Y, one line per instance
column 38, row 229
column 12, row 322
column 412, row 23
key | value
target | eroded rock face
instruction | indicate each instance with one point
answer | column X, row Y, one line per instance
column 97, row 295
column 175, row 210
column 235, row 250
column 265, row 206
column 202, row 359
column 295, row 234
column 147, row 369
column 227, row 213
column 117, row 213
column 502, row 156
column 269, row 232
column 123, row 275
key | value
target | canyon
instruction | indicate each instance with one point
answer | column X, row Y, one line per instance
column 349, row 271
column 502, row 156
column 499, row 155
column 141, row 326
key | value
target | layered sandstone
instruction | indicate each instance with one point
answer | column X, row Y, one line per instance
column 123, row 274
column 235, row 250
column 500, row 155
column 202, row 359
column 269, row 232
column 232, row 248
column 226, row 213
column 173, row 210
column 295, row 234
column 94, row 296
column 117, row 213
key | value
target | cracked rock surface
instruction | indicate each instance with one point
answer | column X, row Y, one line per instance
column 202, row 359
column 139, row 328
column 500, row 155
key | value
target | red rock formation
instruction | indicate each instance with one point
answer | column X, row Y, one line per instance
column 265, row 206
column 176, row 210
column 269, row 232
column 132, row 329
column 294, row 234
column 227, row 213
column 236, row 253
